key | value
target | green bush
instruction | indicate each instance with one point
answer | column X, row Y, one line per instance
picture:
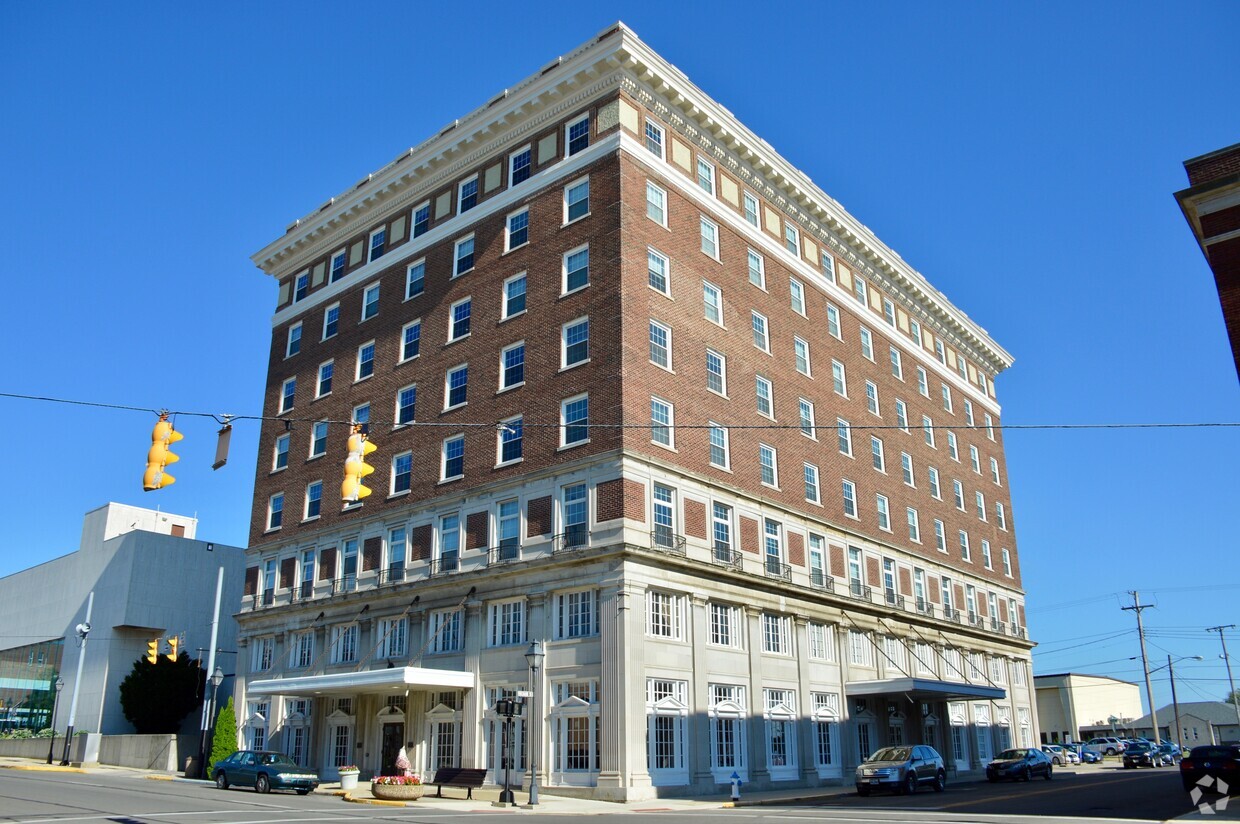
column 224, row 738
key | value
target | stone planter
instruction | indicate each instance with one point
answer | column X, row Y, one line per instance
column 348, row 780
column 397, row 792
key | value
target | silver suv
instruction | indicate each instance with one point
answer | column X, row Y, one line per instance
column 1105, row 746
column 902, row 769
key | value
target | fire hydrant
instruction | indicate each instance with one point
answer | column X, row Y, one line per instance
column 736, row 787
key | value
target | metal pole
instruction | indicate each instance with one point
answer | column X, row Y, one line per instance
column 1137, row 606
column 83, row 630
column 1179, row 731
column 1235, row 699
column 207, row 707
column 534, row 722
column 57, row 686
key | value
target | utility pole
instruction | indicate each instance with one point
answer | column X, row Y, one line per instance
column 1235, row 699
column 1136, row 607
column 204, row 769
column 82, row 630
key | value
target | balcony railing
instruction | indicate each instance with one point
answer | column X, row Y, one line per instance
column 394, row 574
column 997, row 626
column 1019, row 632
column 893, row 600
column 446, row 564
column 664, row 540
column 950, row 614
column 575, row 537
column 975, row 620
column 345, row 583
column 506, row 552
column 924, row 607
column 726, row 557
column 775, row 569
column 820, row 580
column 267, row 597
column 858, row 590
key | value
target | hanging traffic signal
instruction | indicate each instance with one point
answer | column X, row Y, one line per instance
column 173, row 643
column 355, row 466
column 162, row 437
column 152, row 651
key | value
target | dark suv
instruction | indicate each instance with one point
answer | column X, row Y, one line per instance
column 1218, row 761
column 902, row 769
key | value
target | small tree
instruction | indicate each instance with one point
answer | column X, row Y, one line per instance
column 224, row 737
column 1233, row 697
column 157, row 697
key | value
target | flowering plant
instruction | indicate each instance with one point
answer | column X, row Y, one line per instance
column 398, row 780
column 348, row 768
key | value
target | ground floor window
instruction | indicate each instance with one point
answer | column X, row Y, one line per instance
column 667, row 709
column 575, row 733
column 864, row 740
column 727, row 732
column 781, row 735
column 827, row 733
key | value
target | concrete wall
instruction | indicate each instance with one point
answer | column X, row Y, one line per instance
column 145, row 752
column 36, row 748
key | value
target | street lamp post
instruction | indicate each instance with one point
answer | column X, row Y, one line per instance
column 59, row 685
column 534, row 656
column 83, row 631
column 217, row 678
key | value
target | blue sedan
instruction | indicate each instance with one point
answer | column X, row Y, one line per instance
column 264, row 771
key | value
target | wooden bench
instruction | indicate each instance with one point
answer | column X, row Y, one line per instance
column 466, row 778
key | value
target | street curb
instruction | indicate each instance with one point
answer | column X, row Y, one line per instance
column 374, row 801
column 159, row 778
column 41, row 768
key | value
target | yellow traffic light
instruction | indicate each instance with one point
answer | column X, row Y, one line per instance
column 355, row 467
column 152, row 650
column 173, row 643
column 160, row 455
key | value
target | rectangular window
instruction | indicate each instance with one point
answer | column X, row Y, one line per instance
column 1007, row 562
column 952, row 451
column 463, row 256
column 467, row 195
column 1001, row 515
column 763, row 391
column 512, row 366
column 577, row 135
column 828, row 266
column 811, row 484
column 725, row 625
column 706, row 177
column 410, row 340
column 421, row 219
column 415, row 279
column 654, row 139
column 660, row 345
column 294, row 341
column 663, row 615
column 507, row 623
column 314, row 499
column 712, row 300
column 719, row 446
column 860, row 650
column 990, row 426
column 575, row 336
column 859, row 289
column 940, row 536
column 344, row 644
column 897, row 364
column 275, row 511
column 934, row 483
column 884, row 513
column 445, row 631
column 889, row 312
column 987, row 561
column 922, row 385
column 576, row 200
column 656, row 204
column 517, row 230
column 833, row 322
column 965, row 553
column 871, row 398
column 979, row 500
column 318, row 439
column 800, row 350
column 301, row 287
column 968, row 412
column 324, row 385
column 510, row 436
column 807, row 419
column 901, row 415
column 656, row 272
column 574, row 420
column 338, row 265
column 914, row 526
column 576, row 269
column 974, row 460
column 947, row 398
column 876, row 453
column 760, row 337
column 768, row 466
column 393, row 634
column 406, row 405
column 821, row 641
column 797, row 291
column 867, row 343
column 906, row 469
column 575, row 614
column 844, row 434
column 839, row 379
column 456, row 387
column 280, row 461
column 850, row 498
column 331, row 320
column 514, row 296
column 757, row 269
column 365, row 360
column 370, row 301
column 927, row 429
column 288, row 390
column 721, row 532
column 378, row 241
column 792, row 239
column 519, row 164
column 958, row 490
column 662, row 422
column 751, row 209
column 453, row 458
column 402, row 472
column 776, row 634
column 710, row 238
column 716, row 372
column 994, row 471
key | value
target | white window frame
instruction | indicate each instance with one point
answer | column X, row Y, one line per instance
column 288, row 346
column 576, row 184
column 564, row 290
column 564, row 442
column 796, row 295
column 722, row 431
column 367, row 302
column 410, row 280
column 371, row 257
column 757, row 319
column 669, row 427
column 666, row 348
column 564, row 344
column 705, row 176
column 505, row 314
column 357, row 370
column 326, row 320
column 709, row 232
column 659, row 194
column 763, row 451
column 460, row 194
column 722, row 374
column 759, row 383
column 447, row 387
column 503, row 370
column 710, row 288
column 457, row 245
column 654, row 255
column 508, row 219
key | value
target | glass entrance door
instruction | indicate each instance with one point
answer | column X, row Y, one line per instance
column 393, row 740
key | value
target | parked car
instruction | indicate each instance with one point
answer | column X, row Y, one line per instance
column 1141, row 754
column 1061, row 755
column 1090, row 756
column 264, row 771
column 1170, row 753
column 902, row 769
column 1105, row 746
column 1020, row 764
column 1219, row 761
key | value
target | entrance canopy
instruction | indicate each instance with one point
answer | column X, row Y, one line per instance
column 380, row 681
column 925, row 689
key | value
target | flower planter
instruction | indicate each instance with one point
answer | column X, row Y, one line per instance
column 396, row 792
column 348, row 780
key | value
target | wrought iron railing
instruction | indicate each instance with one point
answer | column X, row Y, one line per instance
column 1019, row 632
column 345, row 583
column 506, row 552
column 924, row 607
column 726, row 557
column 951, row 614
column 858, row 590
column 446, row 564
column 577, row 537
column 975, row 620
column 997, row 626
column 664, row 540
column 820, row 580
column 773, row 568
column 893, row 600
column 392, row 575
column 267, row 597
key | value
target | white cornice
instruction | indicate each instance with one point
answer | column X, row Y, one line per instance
column 614, row 58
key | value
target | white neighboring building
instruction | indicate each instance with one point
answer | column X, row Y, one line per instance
column 1076, row 707
column 151, row 578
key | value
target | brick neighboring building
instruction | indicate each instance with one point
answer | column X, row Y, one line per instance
column 1211, row 205
column 644, row 394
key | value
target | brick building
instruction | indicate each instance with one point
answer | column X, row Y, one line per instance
column 644, row 394
column 1211, row 205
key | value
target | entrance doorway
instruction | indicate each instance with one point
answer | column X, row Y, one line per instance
column 393, row 740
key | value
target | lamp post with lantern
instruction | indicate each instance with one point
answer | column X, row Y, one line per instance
column 534, row 657
column 58, row 685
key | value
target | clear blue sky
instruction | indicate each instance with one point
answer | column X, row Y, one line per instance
column 1022, row 156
